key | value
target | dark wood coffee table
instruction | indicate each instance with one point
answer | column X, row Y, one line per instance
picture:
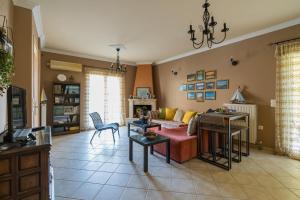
column 142, row 125
column 140, row 139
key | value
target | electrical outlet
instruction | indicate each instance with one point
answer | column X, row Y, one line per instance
column 260, row 127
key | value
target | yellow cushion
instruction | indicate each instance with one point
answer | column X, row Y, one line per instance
column 170, row 113
column 188, row 116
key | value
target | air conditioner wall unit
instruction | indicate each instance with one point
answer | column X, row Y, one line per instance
column 66, row 66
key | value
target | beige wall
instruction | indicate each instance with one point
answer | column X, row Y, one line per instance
column 6, row 8
column 24, row 32
column 48, row 76
column 256, row 72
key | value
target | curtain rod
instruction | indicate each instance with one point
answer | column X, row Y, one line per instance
column 104, row 68
column 99, row 68
column 283, row 41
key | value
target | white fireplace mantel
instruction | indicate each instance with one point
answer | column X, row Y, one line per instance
column 133, row 102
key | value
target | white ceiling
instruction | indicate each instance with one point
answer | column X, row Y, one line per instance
column 151, row 30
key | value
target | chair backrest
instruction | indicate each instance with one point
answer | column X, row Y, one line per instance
column 97, row 121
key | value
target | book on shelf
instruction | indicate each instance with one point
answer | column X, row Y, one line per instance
column 61, row 119
column 58, row 129
column 74, row 128
column 57, row 89
column 76, row 100
column 72, row 89
column 15, row 101
column 76, row 110
column 68, row 110
column 58, row 110
column 73, row 118
column 59, row 99
column 71, row 100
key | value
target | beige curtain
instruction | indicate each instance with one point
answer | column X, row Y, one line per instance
column 288, row 99
column 105, row 96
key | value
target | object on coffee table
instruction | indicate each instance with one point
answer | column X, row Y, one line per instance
column 150, row 135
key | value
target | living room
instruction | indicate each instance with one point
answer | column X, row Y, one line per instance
column 93, row 86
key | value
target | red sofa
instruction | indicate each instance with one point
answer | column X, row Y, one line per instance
column 183, row 147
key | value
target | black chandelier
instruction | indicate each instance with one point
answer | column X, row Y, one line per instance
column 118, row 67
column 208, row 30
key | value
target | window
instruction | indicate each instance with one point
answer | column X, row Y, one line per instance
column 104, row 95
column 288, row 99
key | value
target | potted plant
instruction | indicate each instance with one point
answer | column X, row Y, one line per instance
column 6, row 64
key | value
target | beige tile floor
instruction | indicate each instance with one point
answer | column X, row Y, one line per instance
column 102, row 171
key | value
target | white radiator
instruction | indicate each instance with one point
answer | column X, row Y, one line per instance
column 252, row 110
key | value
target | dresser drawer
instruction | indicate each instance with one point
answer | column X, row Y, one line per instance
column 5, row 166
column 32, row 197
column 5, row 189
column 29, row 161
column 28, row 182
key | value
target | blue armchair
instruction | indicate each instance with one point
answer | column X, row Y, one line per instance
column 100, row 126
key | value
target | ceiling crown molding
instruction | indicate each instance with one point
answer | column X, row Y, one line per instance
column 68, row 53
column 144, row 63
column 234, row 40
column 25, row 4
column 36, row 12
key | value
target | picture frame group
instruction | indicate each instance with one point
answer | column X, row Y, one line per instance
column 222, row 84
column 202, row 85
column 201, row 96
column 210, row 95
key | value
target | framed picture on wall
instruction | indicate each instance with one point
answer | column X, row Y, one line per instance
column 222, row 84
column 200, row 96
column 200, row 75
column 183, row 87
column 191, row 96
column 191, row 87
column 200, row 86
column 211, row 74
column 210, row 85
column 191, row 77
column 142, row 92
column 210, row 95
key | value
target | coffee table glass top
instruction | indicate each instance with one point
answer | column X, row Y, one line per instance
column 144, row 141
column 141, row 124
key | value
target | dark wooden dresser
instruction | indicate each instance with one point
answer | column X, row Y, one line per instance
column 24, row 171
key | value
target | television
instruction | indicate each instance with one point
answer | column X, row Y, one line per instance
column 16, row 110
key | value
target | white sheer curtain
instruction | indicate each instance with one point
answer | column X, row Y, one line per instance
column 104, row 93
column 288, row 99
